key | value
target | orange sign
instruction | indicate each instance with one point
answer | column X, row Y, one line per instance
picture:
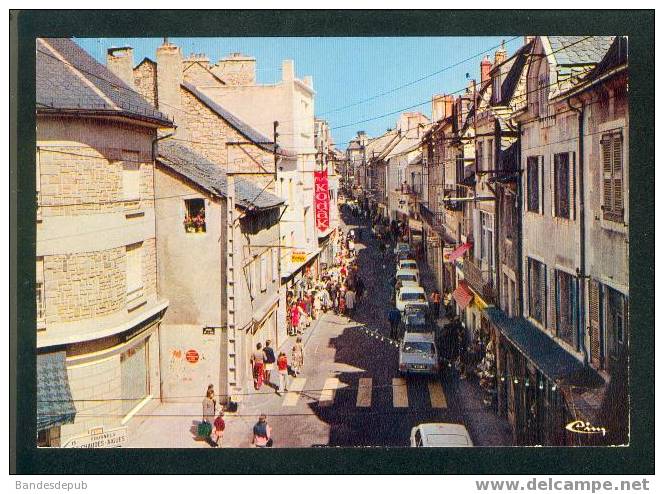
column 192, row 356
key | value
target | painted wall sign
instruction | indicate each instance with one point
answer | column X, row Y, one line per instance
column 298, row 256
column 322, row 200
column 192, row 356
column 99, row 438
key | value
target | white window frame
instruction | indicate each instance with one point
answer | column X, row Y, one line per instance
column 134, row 270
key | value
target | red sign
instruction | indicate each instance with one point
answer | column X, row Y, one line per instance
column 191, row 356
column 322, row 200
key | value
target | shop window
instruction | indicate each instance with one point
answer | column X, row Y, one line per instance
column 534, row 183
column 134, row 270
column 39, row 291
column 537, row 290
column 194, row 219
column 134, row 376
column 612, row 176
column 566, row 308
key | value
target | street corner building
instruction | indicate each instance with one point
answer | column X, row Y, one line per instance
column 98, row 308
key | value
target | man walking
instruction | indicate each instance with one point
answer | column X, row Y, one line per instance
column 268, row 361
column 394, row 316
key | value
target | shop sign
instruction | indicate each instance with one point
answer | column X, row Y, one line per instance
column 191, row 356
column 446, row 253
column 322, row 200
column 99, row 438
column 298, row 257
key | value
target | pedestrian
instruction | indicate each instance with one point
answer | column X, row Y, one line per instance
column 317, row 305
column 268, row 361
column 435, row 303
column 219, row 428
column 394, row 316
column 257, row 362
column 297, row 356
column 209, row 405
column 359, row 288
column 262, row 433
column 351, row 247
column 350, row 301
column 295, row 318
column 282, row 368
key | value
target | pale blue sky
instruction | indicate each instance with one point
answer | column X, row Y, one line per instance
column 346, row 70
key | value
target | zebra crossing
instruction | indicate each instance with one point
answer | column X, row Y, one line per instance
column 365, row 390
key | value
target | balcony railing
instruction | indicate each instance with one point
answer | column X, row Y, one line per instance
column 480, row 280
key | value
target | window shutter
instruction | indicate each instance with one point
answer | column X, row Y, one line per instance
column 607, row 176
column 540, row 160
column 542, row 279
column 572, row 185
column 618, row 205
column 593, row 303
column 553, row 302
column 476, row 234
column 552, row 183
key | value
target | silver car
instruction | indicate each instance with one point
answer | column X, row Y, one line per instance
column 418, row 354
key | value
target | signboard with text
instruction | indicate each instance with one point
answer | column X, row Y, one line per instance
column 322, row 200
column 99, row 438
column 298, row 257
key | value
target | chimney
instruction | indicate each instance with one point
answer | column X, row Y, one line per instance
column 169, row 80
column 309, row 81
column 528, row 39
column 120, row 61
column 437, row 107
column 485, row 68
column 449, row 105
column 287, row 70
column 501, row 55
column 236, row 70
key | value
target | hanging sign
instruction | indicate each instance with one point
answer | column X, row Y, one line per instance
column 322, row 200
column 298, row 257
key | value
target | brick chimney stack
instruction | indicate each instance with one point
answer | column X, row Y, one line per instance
column 120, row 61
column 449, row 105
column 485, row 68
column 169, row 80
column 501, row 55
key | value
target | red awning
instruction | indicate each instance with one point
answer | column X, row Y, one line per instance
column 463, row 295
column 459, row 251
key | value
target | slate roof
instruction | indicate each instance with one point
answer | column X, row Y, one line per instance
column 68, row 80
column 211, row 178
column 615, row 56
column 54, row 402
column 509, row 85
column 579, row 50
column 245, row 129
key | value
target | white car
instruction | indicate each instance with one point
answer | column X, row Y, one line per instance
column 440, row 436
column 401, row 247
column 418, row 354
column 408, row 264
column 407, row 295
column 408, row 277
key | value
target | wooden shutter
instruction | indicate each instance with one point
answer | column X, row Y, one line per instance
column 553, row 302
column 594, row 318
column 618, row 206
column 572, row 184
column 540, row 160
column 607, row 175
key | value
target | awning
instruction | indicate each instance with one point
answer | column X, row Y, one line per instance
column 54, row 403
column 550, row 358
column 463, row 295
column 461, row 250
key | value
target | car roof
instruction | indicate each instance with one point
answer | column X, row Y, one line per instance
column 411, row 289
column 443, row 428
column 419, row 337
column 406, row 271
column 408, row 259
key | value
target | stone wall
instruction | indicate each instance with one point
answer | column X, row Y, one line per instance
column 145, row 80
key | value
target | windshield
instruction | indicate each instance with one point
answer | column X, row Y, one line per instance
column 408, row 265
column 418, row 347
column 407, row 277
column 417, row 319
column 413, row 296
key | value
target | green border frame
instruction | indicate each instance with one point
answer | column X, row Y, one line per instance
column 25, row 26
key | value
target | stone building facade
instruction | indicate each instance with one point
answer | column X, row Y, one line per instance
column 98, row 308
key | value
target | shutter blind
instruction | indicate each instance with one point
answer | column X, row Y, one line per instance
column 542, row 279
column 540, row 160
column 553, row 302
column 572, row 185
column 593, row 302
column 607, row 176
column 617, row 177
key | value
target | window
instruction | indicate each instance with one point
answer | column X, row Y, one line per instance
column 131, row 176
column 489, row 154
column 264, row 272
column 561, row 185
column 615, row 318
column 537, row 290
column 543, row 95
column 275, row 263
column 566, row 308
column 612, row 176
column 534, row 183
column 486, row 239
column 479, row 159
column 134, row 270
column 39, row 290
column 194, row 216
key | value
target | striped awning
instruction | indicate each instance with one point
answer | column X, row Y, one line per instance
column 54, row 402
column 462, row 295
column 458, row 252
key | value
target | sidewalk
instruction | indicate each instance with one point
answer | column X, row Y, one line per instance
column 485, row 426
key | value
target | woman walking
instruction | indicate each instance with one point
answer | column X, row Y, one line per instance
column 297, row 356
column 282, row 369
column 262, row 433
column 257, row 363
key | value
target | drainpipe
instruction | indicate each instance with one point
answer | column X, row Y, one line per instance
column 519, row 226
column 581, row 271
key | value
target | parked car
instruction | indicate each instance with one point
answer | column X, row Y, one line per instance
column 418, row 354
column 416, row 319
column 401, row 247
column 407, row 264
column 410, row 295
column 440, row 435
column 408, row 277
